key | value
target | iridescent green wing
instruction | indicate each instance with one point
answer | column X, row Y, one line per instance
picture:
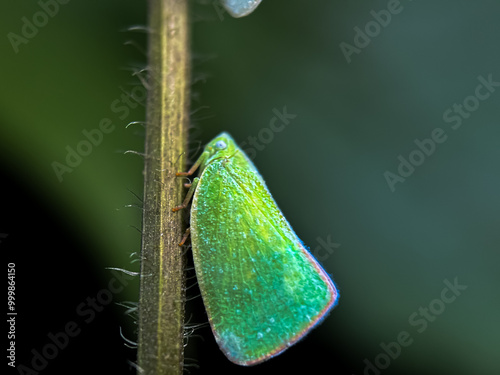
column 261, row 288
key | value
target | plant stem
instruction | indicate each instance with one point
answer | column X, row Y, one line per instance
column 162, row 285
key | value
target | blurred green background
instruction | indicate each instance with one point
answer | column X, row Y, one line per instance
column 357, row 115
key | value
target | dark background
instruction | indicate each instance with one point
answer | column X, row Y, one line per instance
column 325, row 169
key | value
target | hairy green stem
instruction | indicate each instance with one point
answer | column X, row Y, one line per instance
column 162, row 286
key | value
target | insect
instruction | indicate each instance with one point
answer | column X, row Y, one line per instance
column 262, row 289
column 240, row 8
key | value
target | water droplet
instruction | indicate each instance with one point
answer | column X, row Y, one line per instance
column 240, row 8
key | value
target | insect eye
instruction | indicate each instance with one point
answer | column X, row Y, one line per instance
column 221, row 145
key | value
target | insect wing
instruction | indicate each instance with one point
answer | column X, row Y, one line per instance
column 261, row 288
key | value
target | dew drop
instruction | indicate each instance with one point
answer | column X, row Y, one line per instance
column 240, row 8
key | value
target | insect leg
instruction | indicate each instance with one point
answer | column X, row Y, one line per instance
column 189, row 195
column 195, row 166
column 186, row 235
